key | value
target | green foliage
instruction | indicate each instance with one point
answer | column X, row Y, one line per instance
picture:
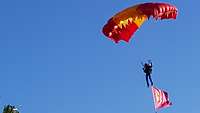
column 10, row 109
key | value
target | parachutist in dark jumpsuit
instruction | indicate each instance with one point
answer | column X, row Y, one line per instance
column 148, row 70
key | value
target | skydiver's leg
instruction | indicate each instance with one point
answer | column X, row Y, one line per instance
column 147, row 81
column 150, row 80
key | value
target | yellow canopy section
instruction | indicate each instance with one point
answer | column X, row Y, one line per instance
column 130, row 14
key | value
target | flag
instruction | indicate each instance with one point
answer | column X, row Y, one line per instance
column 160, row 97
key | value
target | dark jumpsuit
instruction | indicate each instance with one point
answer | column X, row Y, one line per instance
column 148, row 70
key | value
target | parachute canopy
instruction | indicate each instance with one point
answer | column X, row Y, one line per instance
column 124, row 24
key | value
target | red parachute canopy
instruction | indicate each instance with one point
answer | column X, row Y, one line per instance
column 124, row 24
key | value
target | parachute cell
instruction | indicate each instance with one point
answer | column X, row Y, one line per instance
column 124, row 24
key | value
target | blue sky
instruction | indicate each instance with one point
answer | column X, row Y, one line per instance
column 54, row 58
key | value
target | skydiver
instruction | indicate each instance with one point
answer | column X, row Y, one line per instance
column 148, row 70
